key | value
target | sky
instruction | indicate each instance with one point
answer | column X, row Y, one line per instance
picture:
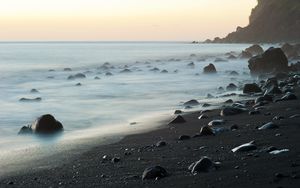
column 121, row 20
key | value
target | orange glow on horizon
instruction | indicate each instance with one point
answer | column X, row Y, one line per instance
column 121, row 19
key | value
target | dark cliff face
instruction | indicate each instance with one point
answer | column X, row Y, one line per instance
column 270, row 21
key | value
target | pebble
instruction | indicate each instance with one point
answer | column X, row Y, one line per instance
column 269, row 125
column 245, row 147
column 184, row 137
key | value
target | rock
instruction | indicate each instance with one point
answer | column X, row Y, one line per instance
column 78, row 84
column 234, row 73
column 160, row 144
column 231, row 57
column 178, row 112
column 206, row 105
column 272, row 61
column 76, row 76
column 206, row 131
column 254, row 112
column 46, row 124
column 209, row 69
column 245, row 55
column 34, row 91
column 289, row 96
column 273, row 90
column 268, row 98
column 255, row 49
column 229, row 111
column 276, row 152
column 221, row 89
column 164, row 71
column 108, row 74
column 115, row 160
column 220, row 60
column 203, row 116
column 209, row 96
column 217, row 122
column 245, row 147
column 203, row 165
column 97, row 78
column 25, row 130
column 290, row 51
column 231, row 87
column 178, row 119
column 154, row 173
column 184, row 137
column 155, row 69
column 234, row 127
column 37, row 99
column 192, row 102
column 295, row 116
column 278, row 118
column 125, row 71
column 251, row 88
column 191, row 65
column 67, row 69
column 269, row 125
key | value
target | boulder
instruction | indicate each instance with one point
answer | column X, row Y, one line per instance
column 245, row 55
column 76, row 76
column 209, row 69
column 25, row 130
column 192, row 102
column 289, row 96
column 203, row 165
column 229, row 111
column 231, row 87
column 178, row 119
column 154, row 173
column 255, row 49
column 272, row 61
column 206, row 131
column 290, row 51
column 46, row 124
column 251, row 88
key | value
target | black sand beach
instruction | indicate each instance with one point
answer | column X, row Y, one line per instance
column 133, row 154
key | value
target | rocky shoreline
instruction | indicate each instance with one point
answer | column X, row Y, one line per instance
column 252, row 142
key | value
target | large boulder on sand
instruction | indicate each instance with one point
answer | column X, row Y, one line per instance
column 272, row 61
column 209, row 69
column 255, row 49
column 46, row 124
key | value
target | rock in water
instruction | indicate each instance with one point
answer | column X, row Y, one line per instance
column 203, row 165
column 154, row 172
column 269, row 125
column 251, row 88
column 192, row 102
column 209, row 69
column 25, row 130
column 231, row 87
column 245, row 55
column 255, row 49
column 289, row 96
column 46, row 124
column 178, row 119
column 37, row 99
column 272, row 60
column 78, row 75
column 245, row 147
column 229, row 111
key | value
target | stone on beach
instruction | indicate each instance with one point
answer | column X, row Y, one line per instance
column 251, row 88
column 269, row 125
column 160, row 144
column 272, row 60
column 184, row 137
column 216, row 122
column 203, row 165
column 210, row 69
column 245, row 147
column 206, row 131
column 178, row 119
column 245, row 55
column 229, row 111
column 154, row 173
column 289, row 96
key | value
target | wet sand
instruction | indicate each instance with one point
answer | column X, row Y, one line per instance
column 256, row 168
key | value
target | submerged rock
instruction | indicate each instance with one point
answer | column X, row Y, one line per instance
column 255, row 49
column 192, row 102
column 154, row 173
column 231, row 87
column 245, row 147
column 37, row 99
column 76, row 76
column 125, row 71
column 46, row 124
column 210, row 69
column 25, row 130
column 34, row 91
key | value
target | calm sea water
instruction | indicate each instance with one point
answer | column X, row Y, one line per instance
column 119, row 99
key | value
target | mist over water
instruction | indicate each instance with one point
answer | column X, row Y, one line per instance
column 117, row 100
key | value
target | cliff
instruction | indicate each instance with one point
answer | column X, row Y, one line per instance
column 270, row 21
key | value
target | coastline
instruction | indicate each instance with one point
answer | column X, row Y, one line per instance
column 138, row 151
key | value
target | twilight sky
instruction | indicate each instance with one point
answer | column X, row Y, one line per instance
column 126, row 20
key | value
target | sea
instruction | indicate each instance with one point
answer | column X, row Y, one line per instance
column 127, row 86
